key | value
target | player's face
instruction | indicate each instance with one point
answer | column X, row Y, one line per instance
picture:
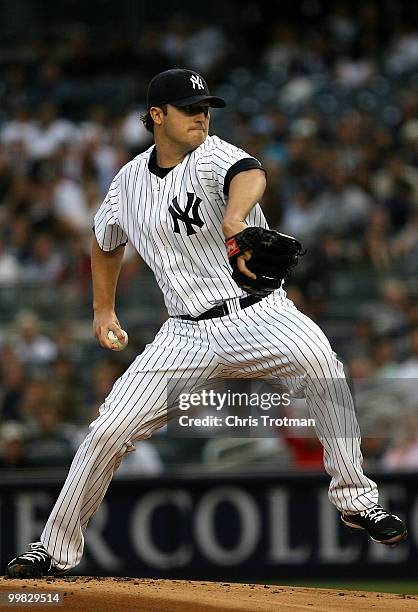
column 187, row 126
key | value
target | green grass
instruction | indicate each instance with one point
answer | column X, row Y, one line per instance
column 408, row 587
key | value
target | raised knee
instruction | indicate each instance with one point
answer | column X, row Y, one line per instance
column 104, row 431
column 322, row 362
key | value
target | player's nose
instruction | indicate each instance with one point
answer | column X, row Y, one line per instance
column 202, row 122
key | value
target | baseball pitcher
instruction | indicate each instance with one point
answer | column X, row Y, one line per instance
column 189, row 205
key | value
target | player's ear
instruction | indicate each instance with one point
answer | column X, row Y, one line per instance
column 156, row 114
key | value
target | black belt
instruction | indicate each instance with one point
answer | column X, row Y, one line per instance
column 222, row 309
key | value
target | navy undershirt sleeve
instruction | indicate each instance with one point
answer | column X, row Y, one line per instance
column 248, row 163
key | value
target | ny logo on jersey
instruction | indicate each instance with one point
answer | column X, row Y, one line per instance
column 197, row 81
column 184, row 215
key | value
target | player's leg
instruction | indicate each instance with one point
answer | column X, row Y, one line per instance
column 274, row 337
column 331, row 405
column 286, row 343
column 136, row 406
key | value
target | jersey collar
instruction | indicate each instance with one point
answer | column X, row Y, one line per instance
column 154, row 168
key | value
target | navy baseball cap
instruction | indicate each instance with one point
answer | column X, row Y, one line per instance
column 180, row 87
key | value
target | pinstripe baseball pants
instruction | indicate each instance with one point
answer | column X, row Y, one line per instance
column 269, row 339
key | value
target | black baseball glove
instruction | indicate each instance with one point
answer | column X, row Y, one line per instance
column 273, row 256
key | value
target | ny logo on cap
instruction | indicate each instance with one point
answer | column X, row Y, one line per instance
column 197, row 81
column 178, row 214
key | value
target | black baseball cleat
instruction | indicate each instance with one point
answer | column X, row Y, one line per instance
column 380, row 525
column 33, row 564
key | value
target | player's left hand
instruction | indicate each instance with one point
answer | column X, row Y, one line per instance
column 231, row 229
column 242, row 266
column 272, row 256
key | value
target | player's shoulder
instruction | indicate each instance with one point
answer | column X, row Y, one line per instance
column 139, row 160
column 212, row 143
column 214, row 148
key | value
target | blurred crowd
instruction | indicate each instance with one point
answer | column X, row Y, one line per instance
column 326, row 99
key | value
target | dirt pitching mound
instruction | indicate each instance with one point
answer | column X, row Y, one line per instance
column 85, row 594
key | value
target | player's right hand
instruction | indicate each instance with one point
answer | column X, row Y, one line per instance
column 103, row 322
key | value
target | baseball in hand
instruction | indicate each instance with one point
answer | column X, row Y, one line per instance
column 117, row 345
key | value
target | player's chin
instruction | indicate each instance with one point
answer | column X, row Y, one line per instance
column 197, row 137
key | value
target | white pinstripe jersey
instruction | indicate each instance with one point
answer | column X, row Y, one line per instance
column 175, row 222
